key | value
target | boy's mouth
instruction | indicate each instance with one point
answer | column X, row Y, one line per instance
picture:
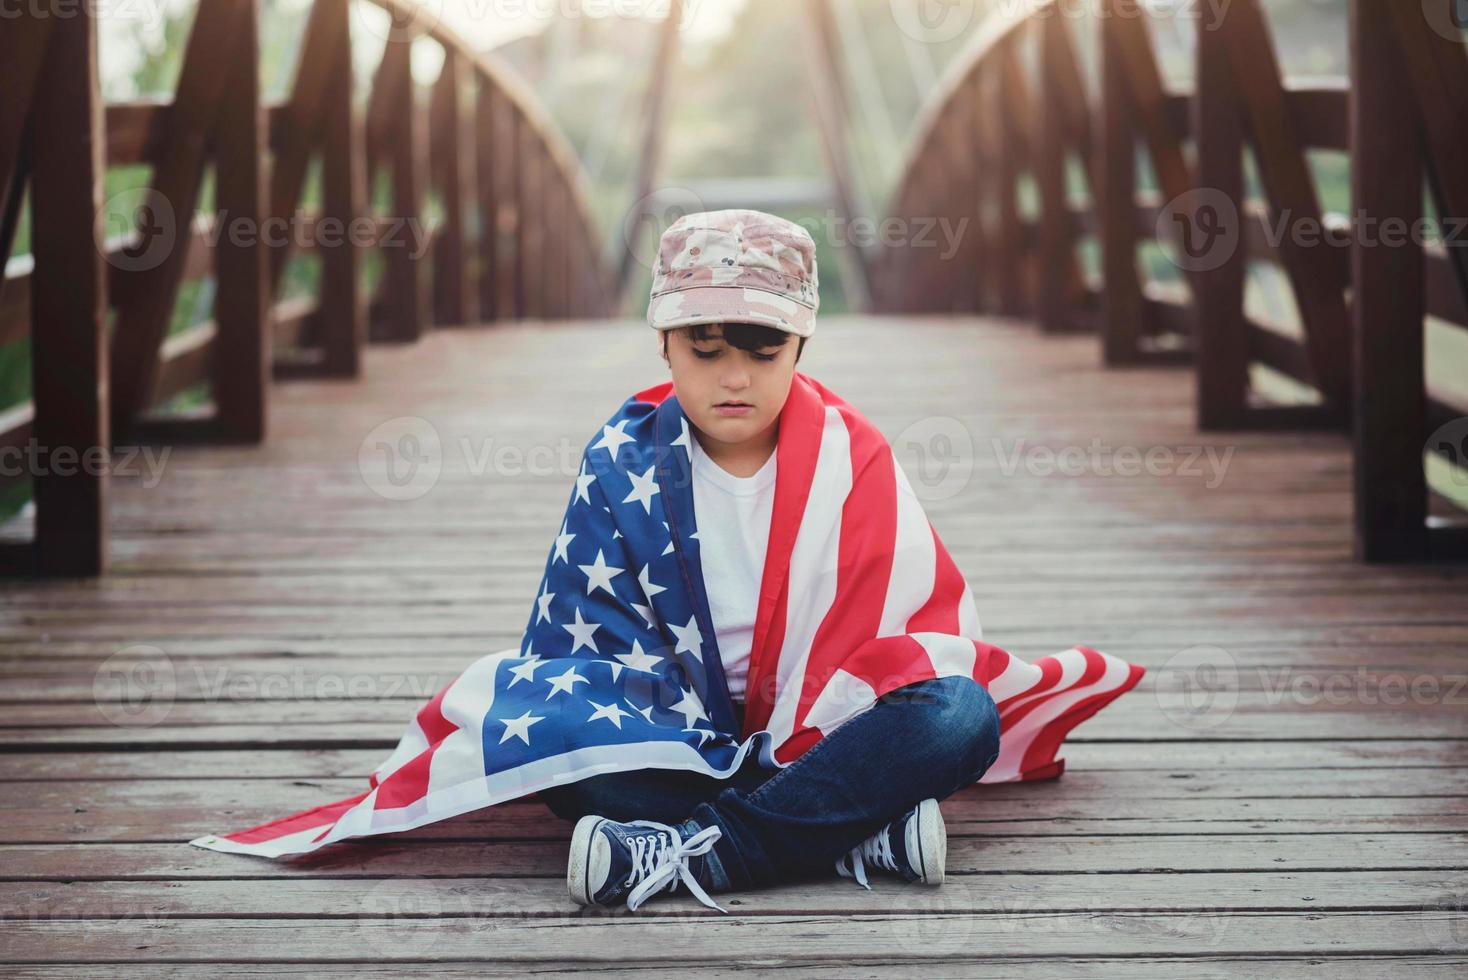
column 733, row 408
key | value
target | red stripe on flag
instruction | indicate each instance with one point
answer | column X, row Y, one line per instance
column 940, row 613
column 864, row 561
column 1038, row 755
column 409, row 782
column 320, row 816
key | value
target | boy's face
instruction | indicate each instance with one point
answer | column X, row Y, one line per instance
column 709, row 375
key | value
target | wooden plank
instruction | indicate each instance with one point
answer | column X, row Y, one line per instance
column 490, row 897
column 916, row 932
column 69, row 374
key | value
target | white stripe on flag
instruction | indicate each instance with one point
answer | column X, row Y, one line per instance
column 914, row 563
column 813, row 567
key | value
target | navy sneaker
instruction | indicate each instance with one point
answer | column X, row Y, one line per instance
column 612, row 861
column 915, row 845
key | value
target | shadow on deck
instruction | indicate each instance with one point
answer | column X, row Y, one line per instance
column 1287, row 785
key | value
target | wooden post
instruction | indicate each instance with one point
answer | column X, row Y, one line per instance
column 1389, row 307
column 145, row 296
column 531, row 226
column 68, row 306
column 343, row 309
column 513, row 217
column 400, row 137
column 489, row 157
column 455, row 297
column 1056, row 245
column 1116, row 200
column 1221, row 334
column 1008, row 234
column 240, row 361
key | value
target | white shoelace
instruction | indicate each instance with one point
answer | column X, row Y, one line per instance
column 661, row 864
column 876, row 849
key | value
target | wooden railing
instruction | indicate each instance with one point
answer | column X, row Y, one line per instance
column 1015, row 113
column 515, row 239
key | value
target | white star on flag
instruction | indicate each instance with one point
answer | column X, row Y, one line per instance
column 562, row 540
column 545, row 600
column 599, row 575
column 689, row 638
column 581, row 633
column 611, row 712
column 644, row 488
column 614, row 437
column 584, row 480
column 638, row 660
column 648, row 588
column 682, row 439
column 646, row 613
column 519, row 727
column 565, row 683
column 525, row 671
column 690, row 707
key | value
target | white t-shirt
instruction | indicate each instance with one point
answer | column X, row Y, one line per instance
column 733, row 516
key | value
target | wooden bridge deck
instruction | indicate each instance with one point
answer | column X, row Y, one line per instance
column 1316, row 813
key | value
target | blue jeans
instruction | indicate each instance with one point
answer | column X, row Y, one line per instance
column 927, row 739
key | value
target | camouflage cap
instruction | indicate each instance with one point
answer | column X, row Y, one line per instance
column 735, row 265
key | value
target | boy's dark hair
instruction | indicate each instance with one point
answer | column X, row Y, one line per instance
column 745, row 336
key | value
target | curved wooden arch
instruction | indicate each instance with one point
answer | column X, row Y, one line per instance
column 997, row 119
column 493, row 69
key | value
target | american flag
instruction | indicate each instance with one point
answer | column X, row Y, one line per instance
column 619, row 668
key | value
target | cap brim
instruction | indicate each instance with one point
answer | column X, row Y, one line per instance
column 730, row 304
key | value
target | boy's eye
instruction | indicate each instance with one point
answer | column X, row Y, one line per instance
column 708, row 355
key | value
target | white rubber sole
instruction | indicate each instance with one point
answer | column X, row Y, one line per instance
column 928, row 842
column 579, row 861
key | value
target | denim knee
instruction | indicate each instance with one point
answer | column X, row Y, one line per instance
column 962, row 721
